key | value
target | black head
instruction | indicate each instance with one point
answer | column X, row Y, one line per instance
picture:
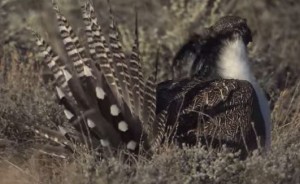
column 230, row 27
column 206, row 46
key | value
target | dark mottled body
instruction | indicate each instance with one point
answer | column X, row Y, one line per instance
column 214, row 112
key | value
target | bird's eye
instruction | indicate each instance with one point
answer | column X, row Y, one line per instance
column 236, row 32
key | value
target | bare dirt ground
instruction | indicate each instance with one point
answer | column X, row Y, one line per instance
column 25, row 98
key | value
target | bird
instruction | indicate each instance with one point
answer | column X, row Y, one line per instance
column 220, row 102
column 111, row 105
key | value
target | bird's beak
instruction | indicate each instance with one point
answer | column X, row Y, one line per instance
column 250, row 44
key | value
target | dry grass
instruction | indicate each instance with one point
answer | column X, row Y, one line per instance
column 24, row 97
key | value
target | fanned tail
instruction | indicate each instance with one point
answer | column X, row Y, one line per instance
column 105, row 96
column 136, row 73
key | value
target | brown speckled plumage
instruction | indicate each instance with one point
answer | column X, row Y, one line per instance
column 214, row 112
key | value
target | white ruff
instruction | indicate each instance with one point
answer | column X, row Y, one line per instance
column 234, row 64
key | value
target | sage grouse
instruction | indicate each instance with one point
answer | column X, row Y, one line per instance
column 221, row 102
column 111, row 106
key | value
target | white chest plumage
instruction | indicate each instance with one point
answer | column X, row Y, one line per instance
column 234, row 64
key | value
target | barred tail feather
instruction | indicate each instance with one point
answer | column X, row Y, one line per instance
column 120, row 61
column 134, row 69
column 52, row 60
column 149, row 104
column 71, row 42
column 159, row 130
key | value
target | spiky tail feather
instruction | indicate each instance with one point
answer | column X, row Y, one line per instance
column 105, row 96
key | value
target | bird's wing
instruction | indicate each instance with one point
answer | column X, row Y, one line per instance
column 220, row 109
